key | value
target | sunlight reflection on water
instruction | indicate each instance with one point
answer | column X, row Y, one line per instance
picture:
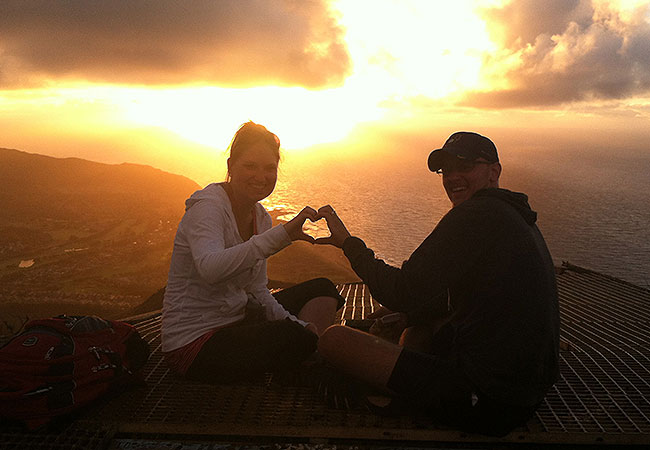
column 604, row 226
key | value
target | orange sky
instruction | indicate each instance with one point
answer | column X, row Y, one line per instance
column 166, row 83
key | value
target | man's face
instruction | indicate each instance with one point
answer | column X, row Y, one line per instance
column 462, row 178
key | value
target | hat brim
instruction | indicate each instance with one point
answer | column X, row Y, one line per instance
column 438, row 157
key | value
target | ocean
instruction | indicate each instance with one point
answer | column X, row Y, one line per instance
column 593, row 208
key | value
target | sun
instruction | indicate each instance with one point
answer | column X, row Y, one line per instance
column 400, row 50
column 211, row 115
column 416, row 47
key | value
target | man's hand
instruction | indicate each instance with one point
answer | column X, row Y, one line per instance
column 338, row 232
column 388, row 325
column 379, row 313
column 294, row 226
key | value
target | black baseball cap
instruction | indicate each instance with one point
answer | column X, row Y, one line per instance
column 464, row 145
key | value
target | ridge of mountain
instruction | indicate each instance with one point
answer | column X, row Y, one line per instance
column 34, row 185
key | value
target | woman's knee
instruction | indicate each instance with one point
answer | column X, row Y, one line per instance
column 332, row 339
column 323, row 302
column 323, row 287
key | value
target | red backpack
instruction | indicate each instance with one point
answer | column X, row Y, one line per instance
column 58, row 365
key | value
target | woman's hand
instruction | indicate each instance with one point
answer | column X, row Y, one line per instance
column 338, row 232
column 294, row 226
column 311, row 327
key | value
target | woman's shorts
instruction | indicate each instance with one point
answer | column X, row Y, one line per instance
column 247, row 350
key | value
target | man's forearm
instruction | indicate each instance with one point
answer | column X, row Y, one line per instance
column 384, row 281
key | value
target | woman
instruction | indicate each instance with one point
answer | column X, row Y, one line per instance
column 220, row 322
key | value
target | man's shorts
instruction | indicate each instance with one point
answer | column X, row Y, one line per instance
column 438, row 387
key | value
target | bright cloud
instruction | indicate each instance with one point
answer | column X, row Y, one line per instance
column 555, row 52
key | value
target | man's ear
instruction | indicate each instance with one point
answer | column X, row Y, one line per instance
column 495, row 173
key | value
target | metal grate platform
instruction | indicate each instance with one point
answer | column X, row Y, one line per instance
column 69, row 436
column 602, row 396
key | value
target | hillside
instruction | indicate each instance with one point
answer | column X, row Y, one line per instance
column 81, row 237
column 38, row 186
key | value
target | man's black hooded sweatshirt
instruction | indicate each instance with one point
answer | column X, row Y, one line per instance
column 487, row 267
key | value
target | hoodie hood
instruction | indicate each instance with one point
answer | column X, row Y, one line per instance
column 517, row 200
column 212, row 191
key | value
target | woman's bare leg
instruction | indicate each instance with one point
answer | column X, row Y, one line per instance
column 320, row 311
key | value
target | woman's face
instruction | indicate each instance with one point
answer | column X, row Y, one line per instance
column 254, row 173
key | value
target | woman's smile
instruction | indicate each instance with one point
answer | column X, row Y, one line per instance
column 254, row 174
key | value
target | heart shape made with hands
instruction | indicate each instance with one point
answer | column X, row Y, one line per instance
column 316, row 227
column 306, row 226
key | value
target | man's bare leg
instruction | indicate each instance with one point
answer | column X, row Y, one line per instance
column 417, row 338
column 420, row 337
column 362, row 355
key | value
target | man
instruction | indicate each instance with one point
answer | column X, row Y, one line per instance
column 480, row 289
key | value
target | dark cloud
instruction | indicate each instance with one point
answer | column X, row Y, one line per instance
column 226, row 42
column 520, row 22
column 566, row 51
